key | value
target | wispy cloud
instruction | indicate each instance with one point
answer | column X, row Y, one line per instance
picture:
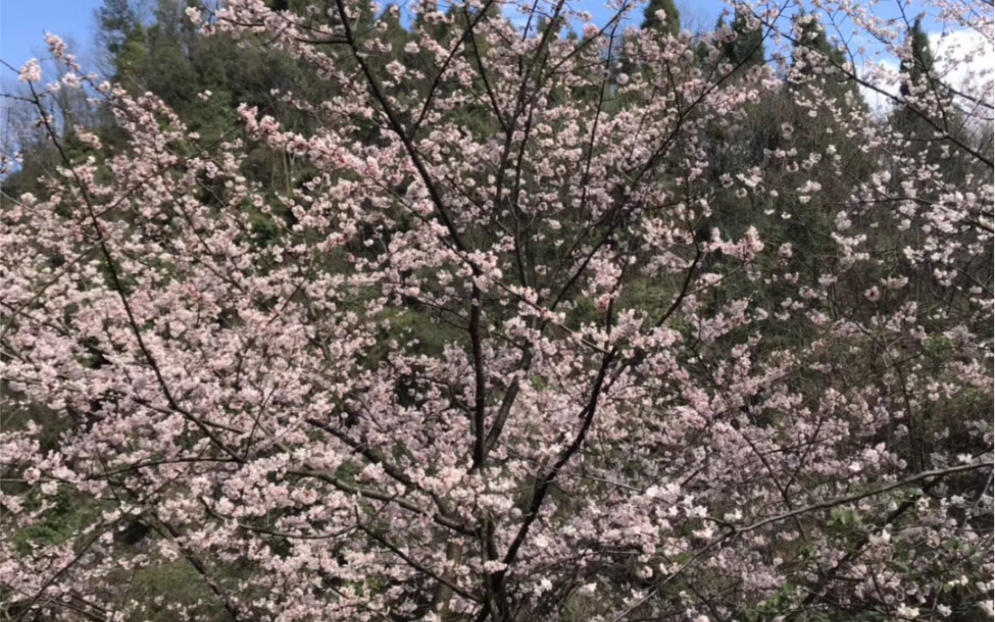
column 884, row 74
column 965, row 61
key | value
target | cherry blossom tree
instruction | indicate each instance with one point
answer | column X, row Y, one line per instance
column 608, row 352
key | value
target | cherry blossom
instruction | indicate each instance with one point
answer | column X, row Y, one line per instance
column 581, row 360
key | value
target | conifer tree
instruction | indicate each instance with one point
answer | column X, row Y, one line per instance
column 115, row 20
column 920, row 65
column 672, row 23
column 747, row 48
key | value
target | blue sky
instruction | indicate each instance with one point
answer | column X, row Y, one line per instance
column 23, row 24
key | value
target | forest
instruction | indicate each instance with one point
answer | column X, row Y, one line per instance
column 500, row 311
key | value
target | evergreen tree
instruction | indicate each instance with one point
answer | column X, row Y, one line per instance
column 815, row 60
column 171, row 74
column 395, row 34
column 131, row 61
column 115, row 21
column 921, row 63
column 747, row 47
column 423, row 23
column 928, row 102
column 813, row 44
column 671, row 26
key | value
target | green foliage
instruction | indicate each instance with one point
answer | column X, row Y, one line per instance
column 822, row 63
column 672, row 24
column 813, row 37
column 921, row 63
column 115, row 21
column 431, row 333
column 69, row 516
column 922, row 88
column 775, row 605
column 647, row 295
column 747, row 49
column 131, row 63
column 179, row 581
column 843, row 517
